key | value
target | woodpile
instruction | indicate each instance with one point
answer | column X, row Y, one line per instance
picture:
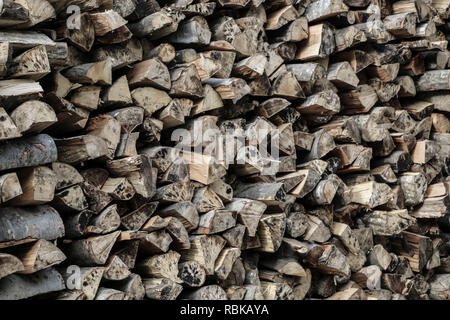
column 229, row 149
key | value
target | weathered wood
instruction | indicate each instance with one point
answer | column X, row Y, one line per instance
column 320, row 43
column 91, row 251
column 38, row 186
column 9, row 265
column 204, row 249
column 39, row 222
column 15, row 287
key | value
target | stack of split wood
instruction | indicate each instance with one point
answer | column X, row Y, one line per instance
column 111, row 188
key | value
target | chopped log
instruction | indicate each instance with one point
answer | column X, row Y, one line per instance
column 248, row 211
column 320, row 43
column 10, row 187
column 380, row 257
column 91, row 73
column 322, row 145
column 210, row 292
column 156, row 242
column 164, row 265
column 84, row 39
column 371, row 194
column 91, row 251
column 344, row 233
column 402, row 25
column 151, row 72
column 70, row 200
column 416, row 248
column 192, row 273
column 75, row 225
column 132, row 287
column 316, row 230
column 348, row 37
column 36, row 256
column 39, row 222
column 15, row 287
column 235, row 236
column 358, row 59
column 38, row 186
column 87, row 282
column 9, row 265
column 216, row 221
column 331, row 261
column 161, row 289
column 225, row 262
column 204, row 249
column 271, row 231
column 81, row 148
column 178, row 233
column 434, row 80
column 105, row 222
column 8, row 129
column 322, row 103
column 40, row 149
column 324, row 9
column 194, row 31
column 413, row 185
column 360, row 100
column 32, row 64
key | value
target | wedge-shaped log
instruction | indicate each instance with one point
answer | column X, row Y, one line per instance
column 88, row 282
column 271, row 230
column 388, row 223
column 17, row 287
column 38, row 186
column 82, row 148
column 9, row 265
column 151, row 72
column 186, row 82
column 331, row 261
column 194, row 31
column 371, row 194
column 320, row 43
column 434, row 80
column 322, row 103
column 279, row 18
column 204, row 249
column 8, row 129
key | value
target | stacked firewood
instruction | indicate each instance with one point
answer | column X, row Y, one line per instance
column 229, row 149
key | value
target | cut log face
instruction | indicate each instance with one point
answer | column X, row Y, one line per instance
column 10, row 264
column 320, row 43
column 17, row 287
column 39, row 255
column 151, row 72
column 92, row 250
column 38, row 186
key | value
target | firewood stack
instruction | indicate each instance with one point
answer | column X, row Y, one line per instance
column 112, row 187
